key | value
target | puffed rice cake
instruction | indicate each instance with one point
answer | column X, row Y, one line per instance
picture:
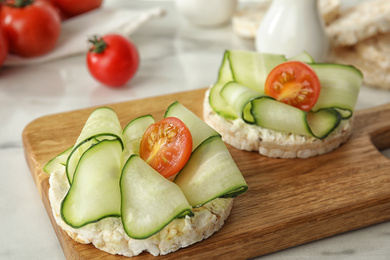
column 360, row 22
column 371, row 57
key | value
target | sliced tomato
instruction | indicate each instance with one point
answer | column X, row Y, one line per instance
column 294, row 83
column 166, row 146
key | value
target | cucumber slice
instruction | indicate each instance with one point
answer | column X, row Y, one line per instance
column 132, row 134
column 275, row 115
column 340, row 86
column 303, row 56
column 94, row 193
column 217, row 103
column 200, row 131
column 271, row 114
column 57, row 162
column 245, row 67
column 210, row 173
column 74, row 157
column 149, row 201
column 239, row 98
column 103, row 123
column 252, row 68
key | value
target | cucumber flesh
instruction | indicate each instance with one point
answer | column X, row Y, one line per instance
column 271, row 114
column 210, row 173
column 132, row 134
column 200, row 131
column 340, row 86
column 149, row 201
column 216, row 101
column 94, row 193
column 239, row 98
column 246, row 68
column 75, row 155
column 303, row 56
column 262, row 110
column 252, row 68
column 57, row 162
column 103, row 123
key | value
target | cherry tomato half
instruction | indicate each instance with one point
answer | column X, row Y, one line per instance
column 166, row 146
column 70, row 8
column 294, row 83
column 32, row 28
column 113, row 60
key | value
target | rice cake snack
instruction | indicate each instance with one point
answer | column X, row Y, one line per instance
column 360, row 22
column 371, row 57
column 120, row 203
column 376, row 50
column 272, row 105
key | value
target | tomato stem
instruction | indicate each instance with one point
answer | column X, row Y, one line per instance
column 98, row 44
column 17, row 3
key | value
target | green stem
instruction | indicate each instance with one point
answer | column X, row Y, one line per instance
column 98, row 44
column 18, row 3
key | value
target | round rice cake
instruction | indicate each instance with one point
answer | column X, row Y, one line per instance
column 247, row 20
column 376, row 50
column 371, row 57
column 108, row 234
column 360, row 22
column 273, row 143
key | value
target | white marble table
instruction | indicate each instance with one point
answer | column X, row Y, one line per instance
column 175, row 57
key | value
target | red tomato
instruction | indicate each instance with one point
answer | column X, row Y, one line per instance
column 70, row 8
column 3, row 47
column 294, row 83
column 166, row 146
column 32, row 29
column 113, row 60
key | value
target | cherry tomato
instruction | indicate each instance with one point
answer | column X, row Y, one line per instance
column 294, row 83
column 32, row 27
column 3, row 47
column 113, row 60
column 71, row 8
column 166, row 146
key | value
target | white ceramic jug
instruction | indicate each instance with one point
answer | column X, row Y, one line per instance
column 292, row 26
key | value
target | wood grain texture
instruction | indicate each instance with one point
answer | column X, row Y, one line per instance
column 289, row 202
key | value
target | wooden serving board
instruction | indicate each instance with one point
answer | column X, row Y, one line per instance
column 289, row 202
